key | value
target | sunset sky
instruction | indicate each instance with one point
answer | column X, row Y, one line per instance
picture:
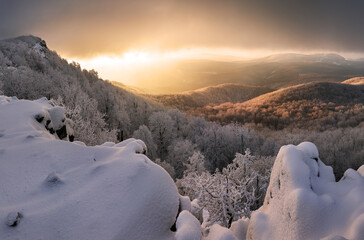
column 119, row 32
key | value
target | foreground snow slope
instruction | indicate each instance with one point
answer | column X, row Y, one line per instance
column 303, row 201
column 54, row 189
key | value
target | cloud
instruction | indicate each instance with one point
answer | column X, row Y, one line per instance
column 90, row 27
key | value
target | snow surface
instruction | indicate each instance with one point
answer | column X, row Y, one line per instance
column 54, row 189
column 303, row 201
column 240, row 228
column 217, row 232
column 188, row 227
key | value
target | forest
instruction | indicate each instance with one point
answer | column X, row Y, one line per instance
column 205, row 154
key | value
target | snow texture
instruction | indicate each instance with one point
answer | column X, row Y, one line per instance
column 217, row 232
column 303, row 201
column 185, row 203
column 240, row 228
column 188, row 227
column 54, row 189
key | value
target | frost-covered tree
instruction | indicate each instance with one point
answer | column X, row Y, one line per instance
column 163, row 131
column 168, row 167
column 1, row 87
column 196, row 126
column 219, row 144
column 195, row 163
column 144, row 134
column 89, row 125
column 232, row 193
column 178, row 153
column 180, row 122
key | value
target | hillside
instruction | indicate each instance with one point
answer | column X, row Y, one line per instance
column 229, row 92
column 320, row 105
column 276, row 71
column 29, row 70
column 355, row 81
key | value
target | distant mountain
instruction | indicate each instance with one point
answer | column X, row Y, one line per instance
column 135, row 90
column 320, row 106
column 330, row 58
column 229, row 92
column 321, row 92
column 276, row 71
column 355, row 81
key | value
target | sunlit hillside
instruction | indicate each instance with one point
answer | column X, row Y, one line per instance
column 355, row 81
column 320, row 105
column 228, row 92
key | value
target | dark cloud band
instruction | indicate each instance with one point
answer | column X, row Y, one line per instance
column 87, row 27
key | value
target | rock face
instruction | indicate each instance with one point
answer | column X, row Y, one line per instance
column 13, row 219
column 54, row 189
column 303, row 201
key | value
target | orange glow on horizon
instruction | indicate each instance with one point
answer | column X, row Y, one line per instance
column 125, row 67
column 148, row 69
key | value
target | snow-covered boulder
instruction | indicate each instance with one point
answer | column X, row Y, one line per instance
column 303, row 201
column 54, row 189
column 188, row 227
column 217, row 232
column 240, row 228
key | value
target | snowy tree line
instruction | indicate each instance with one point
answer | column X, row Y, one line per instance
column 173, row 137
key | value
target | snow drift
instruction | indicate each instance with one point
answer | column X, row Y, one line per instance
column 303, row 201
column 53, row 189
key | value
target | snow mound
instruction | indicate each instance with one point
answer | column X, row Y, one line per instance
column 303, row 201
column 54, row 189
column 188, row 227
column 33, row 117
column 217, row 232
column 240, row 228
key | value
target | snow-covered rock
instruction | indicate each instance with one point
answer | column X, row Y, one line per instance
column 185, row 203
column 240, row 228
column 217, row 232
column 54, row 189
column 188, row 227
column 303, row 201
column 40, row 48
column 196, row 210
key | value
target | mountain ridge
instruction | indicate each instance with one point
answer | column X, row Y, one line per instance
column 226, row 92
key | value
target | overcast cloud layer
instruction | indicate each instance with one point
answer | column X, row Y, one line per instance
column 82, row 28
